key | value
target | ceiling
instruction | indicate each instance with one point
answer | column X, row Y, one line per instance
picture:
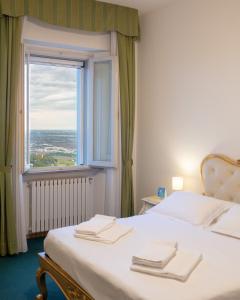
column 143, row 6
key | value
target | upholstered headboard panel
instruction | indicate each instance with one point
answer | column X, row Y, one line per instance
column 221, row 177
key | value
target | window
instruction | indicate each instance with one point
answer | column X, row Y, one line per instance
column 70, row 112
column 103, row 112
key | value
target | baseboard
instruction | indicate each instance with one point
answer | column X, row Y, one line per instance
column 36, row 235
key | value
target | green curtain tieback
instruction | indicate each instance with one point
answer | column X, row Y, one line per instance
column 128, row 163
column 5, row 169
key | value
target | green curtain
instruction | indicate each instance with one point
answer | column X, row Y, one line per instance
column 10, row 38
column 90, row 15
column 126, row 52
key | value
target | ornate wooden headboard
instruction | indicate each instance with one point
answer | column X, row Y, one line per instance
column 221, row 177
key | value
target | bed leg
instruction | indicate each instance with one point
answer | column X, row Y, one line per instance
column 41, row 281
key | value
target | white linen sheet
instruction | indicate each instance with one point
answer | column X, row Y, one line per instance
column 104, row 270
column 179, row 267
column 95, row 225
column 108, row 236
column 156, row 254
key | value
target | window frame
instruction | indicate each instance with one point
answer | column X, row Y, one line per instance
column 54, row 59
column 113, row 162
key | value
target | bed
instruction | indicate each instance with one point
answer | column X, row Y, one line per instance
column 90, row 270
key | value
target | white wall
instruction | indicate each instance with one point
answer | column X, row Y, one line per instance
column 189, row 90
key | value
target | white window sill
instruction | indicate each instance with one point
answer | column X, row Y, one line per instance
column 44, row 173
column 56, row 170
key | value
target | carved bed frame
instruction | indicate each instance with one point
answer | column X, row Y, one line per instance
column 221, row 177
column 214, row 186
column 69, row 287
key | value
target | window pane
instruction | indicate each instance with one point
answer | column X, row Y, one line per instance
column 102, row 93
column 52, row 115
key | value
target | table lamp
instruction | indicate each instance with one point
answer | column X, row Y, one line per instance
column 177, row 183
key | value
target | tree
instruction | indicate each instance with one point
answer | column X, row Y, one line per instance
column 42, row 160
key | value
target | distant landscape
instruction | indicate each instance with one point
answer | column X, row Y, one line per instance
column 53, row 148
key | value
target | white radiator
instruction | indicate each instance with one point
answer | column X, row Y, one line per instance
column 60, row 202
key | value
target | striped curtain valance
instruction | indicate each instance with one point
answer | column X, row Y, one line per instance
column 89, row 15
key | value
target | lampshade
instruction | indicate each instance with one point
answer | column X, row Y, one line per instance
column 177, row 183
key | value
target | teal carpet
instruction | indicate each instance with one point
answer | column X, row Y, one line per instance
column 17, row 275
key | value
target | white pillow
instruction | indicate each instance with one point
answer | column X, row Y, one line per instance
column 193, row 208
column 229, row 223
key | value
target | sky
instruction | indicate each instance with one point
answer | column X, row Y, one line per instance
column 52, row 97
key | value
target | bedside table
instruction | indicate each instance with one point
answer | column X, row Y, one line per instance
column 149, row 202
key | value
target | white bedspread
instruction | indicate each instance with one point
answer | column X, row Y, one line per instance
column 103, row 270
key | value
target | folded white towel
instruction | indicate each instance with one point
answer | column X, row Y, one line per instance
column 95, row 225
column 108, row 236
column 156, row 254
column 180, row 267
